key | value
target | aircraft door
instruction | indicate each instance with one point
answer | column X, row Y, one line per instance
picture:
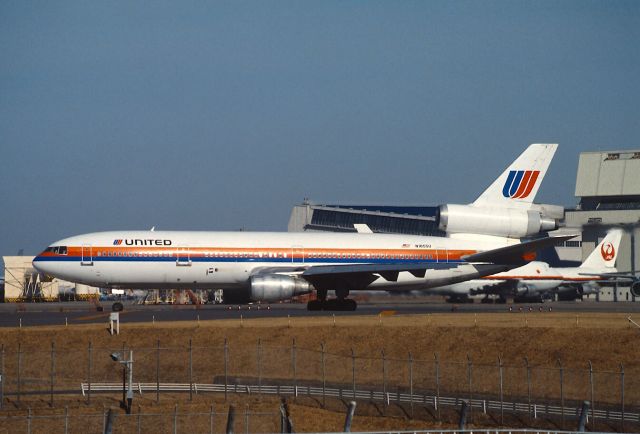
column 442, row 254
column 297, row 254
column 86, row 255
column 183, row 257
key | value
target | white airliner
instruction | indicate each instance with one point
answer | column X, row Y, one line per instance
column 265, row 266
column 534, row 279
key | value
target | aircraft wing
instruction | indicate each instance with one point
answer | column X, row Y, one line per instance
column 359, row 276
column 517, row 254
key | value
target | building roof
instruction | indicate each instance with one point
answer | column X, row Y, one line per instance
column 610, row 173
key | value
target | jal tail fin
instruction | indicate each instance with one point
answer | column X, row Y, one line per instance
column 605, row 253
column 519, row 183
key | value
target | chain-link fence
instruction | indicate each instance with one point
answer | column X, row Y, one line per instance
column 25, row 371
column 172, row 422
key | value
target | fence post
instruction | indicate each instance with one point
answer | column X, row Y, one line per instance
column 124, row 380
column 411, row 381
column 231, row 418
column 19, row 371
column 158, row 371
column 526, row 363
column 246, row 418
column 437, row 402
column 226, row 368
column 593, row 402
column 384, row 378
column 561, row 370
column 622, row 396
column 324, row 382
column 53, row 372
column 293, row 365
column 500, row 366
column 584, row 413
column 108, row 426
column 353, row 373
column 469, row 369
column 175, row 420
column 211, row 420
column 190, row 370
column 464, row 410
column 2, row 378
column 259, row 364
column 349, row 417
column 89, row 372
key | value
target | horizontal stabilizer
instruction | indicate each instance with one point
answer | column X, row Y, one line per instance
column 516, row 254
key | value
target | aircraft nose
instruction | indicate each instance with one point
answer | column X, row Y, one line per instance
column 39, row 264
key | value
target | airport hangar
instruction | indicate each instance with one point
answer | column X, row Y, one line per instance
column 608, row 193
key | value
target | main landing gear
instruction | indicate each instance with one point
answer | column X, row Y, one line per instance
column 341, row 302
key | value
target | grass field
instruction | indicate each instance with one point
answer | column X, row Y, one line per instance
column 605, row 340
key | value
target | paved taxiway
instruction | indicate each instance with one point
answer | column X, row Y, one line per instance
column 34, row 314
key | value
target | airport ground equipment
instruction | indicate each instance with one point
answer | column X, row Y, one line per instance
column 127, row 377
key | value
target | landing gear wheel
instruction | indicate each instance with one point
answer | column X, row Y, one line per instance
column 350, row 304
column 315, row 305
column 117, row 307
column 336, row 304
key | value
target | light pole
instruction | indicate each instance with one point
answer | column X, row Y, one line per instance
column 128, row 368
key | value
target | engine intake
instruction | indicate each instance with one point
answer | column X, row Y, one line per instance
column 635, row 288
column 502, row 222
column 274, row 287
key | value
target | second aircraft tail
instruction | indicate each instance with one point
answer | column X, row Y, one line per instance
column 605, row 254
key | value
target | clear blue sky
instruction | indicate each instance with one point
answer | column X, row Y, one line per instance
column 222, row 115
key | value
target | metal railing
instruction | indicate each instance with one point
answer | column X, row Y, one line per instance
column 536, row 410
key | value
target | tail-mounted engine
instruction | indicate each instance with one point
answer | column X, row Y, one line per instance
column 275, row 287
column 502, row 222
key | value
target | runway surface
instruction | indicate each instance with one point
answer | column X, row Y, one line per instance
column 37, row 314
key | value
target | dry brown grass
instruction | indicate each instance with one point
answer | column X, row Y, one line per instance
column 604, row 339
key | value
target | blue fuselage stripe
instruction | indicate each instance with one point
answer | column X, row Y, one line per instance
column 239, row 260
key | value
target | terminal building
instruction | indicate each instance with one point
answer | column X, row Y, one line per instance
column 608, row 194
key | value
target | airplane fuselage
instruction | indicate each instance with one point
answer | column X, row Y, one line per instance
column 227, row 260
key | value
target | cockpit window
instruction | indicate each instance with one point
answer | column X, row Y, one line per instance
column 59, row 250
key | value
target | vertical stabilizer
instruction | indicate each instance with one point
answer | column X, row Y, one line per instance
column 605, row 253
column 519, row 183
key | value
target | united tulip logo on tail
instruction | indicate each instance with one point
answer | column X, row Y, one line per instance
column 520, row 183
column 608, row 251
